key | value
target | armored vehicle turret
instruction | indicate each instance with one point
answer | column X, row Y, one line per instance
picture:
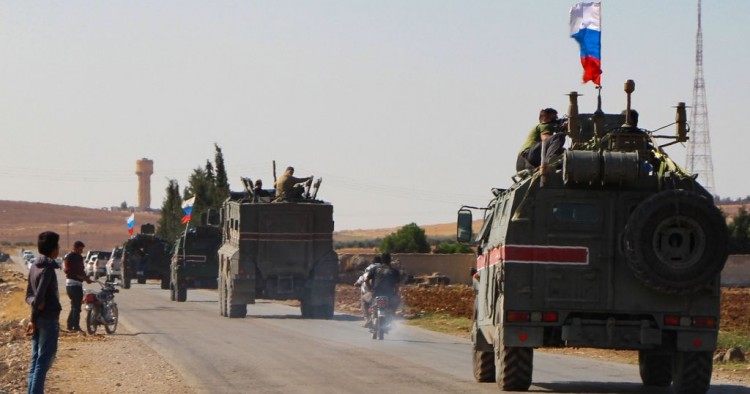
column 146, row 256
column 277, row 250
column 609, row 245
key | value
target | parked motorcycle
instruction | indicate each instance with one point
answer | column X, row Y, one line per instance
column 101, row 308
column 382, row 315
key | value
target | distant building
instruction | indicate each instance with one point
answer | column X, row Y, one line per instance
column 144, row 168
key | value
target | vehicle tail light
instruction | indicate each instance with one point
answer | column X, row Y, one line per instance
column 549, row 317
column 704, row 322
column 90, row 297
column 382, row 302
column 516, row 316
column 671, row 320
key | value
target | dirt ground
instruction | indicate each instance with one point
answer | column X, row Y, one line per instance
column 119, row 363
column 122, row 363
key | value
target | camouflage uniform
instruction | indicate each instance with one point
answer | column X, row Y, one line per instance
column 530, row 155
column 285, row 183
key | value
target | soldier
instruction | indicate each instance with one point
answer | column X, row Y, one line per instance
column 530, row 155
column 258, row 191
column 285, row 185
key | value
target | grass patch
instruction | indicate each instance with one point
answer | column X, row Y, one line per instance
column 734, row 338
column 442, row 322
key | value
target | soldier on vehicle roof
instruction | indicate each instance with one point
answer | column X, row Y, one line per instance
column 258, row 191
column 285, row 185
column 543, row 134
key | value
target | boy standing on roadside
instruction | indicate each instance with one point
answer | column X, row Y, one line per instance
column 44, row 297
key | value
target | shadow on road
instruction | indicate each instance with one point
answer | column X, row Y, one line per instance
column 298, row 317
column 135, row 334
column 598, row 387
column 607, row 387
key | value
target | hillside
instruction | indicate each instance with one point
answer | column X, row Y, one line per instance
column 21, row 221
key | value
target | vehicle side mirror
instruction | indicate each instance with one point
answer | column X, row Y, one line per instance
column 463, row 226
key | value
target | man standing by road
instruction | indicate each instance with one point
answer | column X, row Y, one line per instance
column 285, row 185
column 43, row 295
column 74, row 278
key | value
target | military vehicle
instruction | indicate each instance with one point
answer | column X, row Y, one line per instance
column 279, row 250
column 195, row 261
column 146, row 256
column 611, row 245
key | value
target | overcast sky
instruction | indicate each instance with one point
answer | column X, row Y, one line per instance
column 407, row 109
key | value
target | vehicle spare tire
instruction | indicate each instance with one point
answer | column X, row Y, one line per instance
column 676, row 241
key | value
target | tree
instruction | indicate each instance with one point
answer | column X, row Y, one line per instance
column 739, row 233
column 170, row 226
column 124, row 205
column 221, row 182
column 408, row 239
column 452, row 247
column 200, row 187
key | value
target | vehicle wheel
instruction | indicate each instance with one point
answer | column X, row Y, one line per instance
column 655, row 368
column 483, row 359
column 514, row 366
column 91, row 322
column 691, row 372
column 235, row 310
column 141, row 280
column 126, row 282
column 676, row 242
column 375, row 327
column 222, row 296
column 172, row 296
column 181, row 293
column 114, row 316
column 165, row 282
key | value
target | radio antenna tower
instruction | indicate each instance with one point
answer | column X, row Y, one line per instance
column 699, row 146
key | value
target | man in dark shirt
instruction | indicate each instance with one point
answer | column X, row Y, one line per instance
column 74, row 278
column 43, row 296
column 385, row 280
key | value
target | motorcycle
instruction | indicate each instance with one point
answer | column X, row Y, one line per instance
column 382, row 315
column 101, row 308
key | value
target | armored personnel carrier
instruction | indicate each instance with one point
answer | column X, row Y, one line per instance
column 277, row 250
column 146, row 256
column 611, row 245
column 195, row 260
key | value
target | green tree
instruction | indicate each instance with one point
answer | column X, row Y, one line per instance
column 170, row 226
column 408, row 239
column 124, row 205
column 452, row 247
column 739, row 233
column 200, row 187
column 221, row 182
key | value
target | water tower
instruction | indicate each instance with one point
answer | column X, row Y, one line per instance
column 144, row 168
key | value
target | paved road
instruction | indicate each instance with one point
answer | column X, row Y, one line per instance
column 274, row 351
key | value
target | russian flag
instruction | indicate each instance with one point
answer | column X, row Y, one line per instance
column 131, row 223
column 187, row 208
column 585, row 27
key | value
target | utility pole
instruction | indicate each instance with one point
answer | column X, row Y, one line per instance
column 699, row 146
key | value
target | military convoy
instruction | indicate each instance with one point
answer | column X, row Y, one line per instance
column 195, row 261
column 146, row 256
column 611, row 246
column 280, row 250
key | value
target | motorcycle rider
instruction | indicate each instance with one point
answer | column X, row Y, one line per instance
column 366, row 290
column 385, row 280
